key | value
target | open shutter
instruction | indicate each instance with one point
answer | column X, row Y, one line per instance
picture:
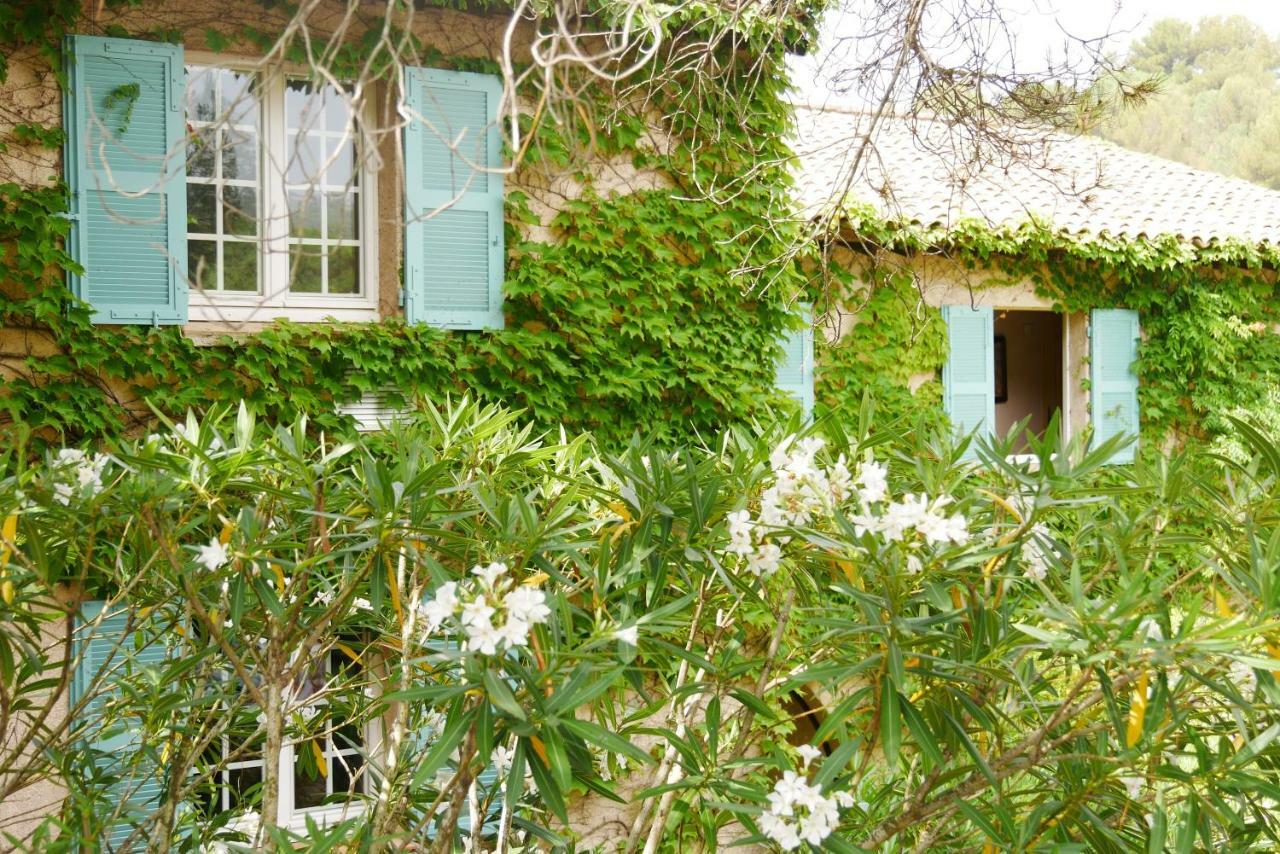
column 795, row 371
column 125, row 164
column 103, row 652
column 968, row 377
column 453, row 207
column 1113, row 394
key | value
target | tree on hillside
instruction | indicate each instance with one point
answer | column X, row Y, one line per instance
column 1219, row 103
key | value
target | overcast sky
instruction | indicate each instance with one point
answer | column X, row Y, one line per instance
column 1039, row 27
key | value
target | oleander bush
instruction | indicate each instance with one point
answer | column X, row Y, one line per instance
column 467, row 635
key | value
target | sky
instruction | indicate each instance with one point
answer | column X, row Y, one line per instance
column 1038, row 27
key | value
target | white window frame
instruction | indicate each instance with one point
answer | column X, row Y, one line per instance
column 277, row 301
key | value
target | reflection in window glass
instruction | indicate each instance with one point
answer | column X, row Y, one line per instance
column 223, row 188
column 321, row 189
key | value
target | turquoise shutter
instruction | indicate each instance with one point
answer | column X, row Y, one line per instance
column 125, row 165
column 1113, row 387
column 102, row 653
column 453, row 210
column 968, row 377
column 795, row 371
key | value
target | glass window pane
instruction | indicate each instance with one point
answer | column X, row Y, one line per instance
column 309, row 789
column 340, row 154
column 343, row 207
column 201, row 102
column 344, row 270
column 240, row 210
column 337, row 110
column 202, row 264
column 304, row 214
column 240, row 155
column 202, row 209
column 304, row 159
column 240, row 265
column 239, row 98
column 304, row 269
column 302, row 106
column 201, row 151
column 344, row 768
column 243, row 783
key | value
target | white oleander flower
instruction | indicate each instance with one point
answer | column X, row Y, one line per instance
column 873, row 482
column 441, row 606
column 765, row 560
column 482, row 637
column 527, row 604
column 629, row 635
column 808, row 753
column 212, row 556
column 799, row 812
column 515, row 632
column 489, row 574
column 477, row 612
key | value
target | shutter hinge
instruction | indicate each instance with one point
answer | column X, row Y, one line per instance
column 74, row 217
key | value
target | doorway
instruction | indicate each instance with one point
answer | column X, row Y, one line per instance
column 1028, row 368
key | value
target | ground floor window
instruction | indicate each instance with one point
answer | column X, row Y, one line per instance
column 320, row 774
column 1028, row 355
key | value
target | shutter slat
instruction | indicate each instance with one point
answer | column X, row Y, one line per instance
column 968, row 377
column 453, row 207
column 1113, row 394
column 125, row 165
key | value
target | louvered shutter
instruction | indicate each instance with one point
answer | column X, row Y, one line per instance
column 1113, row 394
column 968, row 377
column 103, row 653
column 795, row 370
column 453, row 207
column 125, row 165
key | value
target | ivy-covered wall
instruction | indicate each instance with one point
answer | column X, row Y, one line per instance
column 625, row 309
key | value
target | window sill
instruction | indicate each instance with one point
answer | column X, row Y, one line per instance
column 255, row 309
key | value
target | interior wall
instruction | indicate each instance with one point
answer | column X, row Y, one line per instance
column 1033, row 355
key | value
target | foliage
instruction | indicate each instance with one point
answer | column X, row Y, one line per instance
column 1218, row 107
column 1010, row 656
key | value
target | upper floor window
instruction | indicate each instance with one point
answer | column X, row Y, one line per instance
column 279, row 214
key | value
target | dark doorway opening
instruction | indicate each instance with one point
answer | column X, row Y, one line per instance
column 1028, row 354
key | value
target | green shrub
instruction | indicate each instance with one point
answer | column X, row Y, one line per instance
column 845, row 638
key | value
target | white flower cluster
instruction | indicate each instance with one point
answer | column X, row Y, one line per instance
column 475, row 606
column 802, row 490
column 1036, row 549
column 78, row 473
column 799, row 812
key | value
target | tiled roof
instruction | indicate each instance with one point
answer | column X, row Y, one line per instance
column 1080, row 185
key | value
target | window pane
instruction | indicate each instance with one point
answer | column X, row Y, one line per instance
column 243, row 783
column 201, row 151
column 202, row 209
column 343, row 770
column 339, row 154
column 202, row 264
column 342, row 214
column 240, row 265
column 344, row 270
column 240, row 210
column 239, row 100
column 302, row 105
column 304, row 269
column 337, row 110
column 309, row 789
column 304, row 159
column 201, row 103
column 304, row 214
column 239, row 155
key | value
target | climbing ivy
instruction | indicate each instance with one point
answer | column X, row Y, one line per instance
column 634, row 316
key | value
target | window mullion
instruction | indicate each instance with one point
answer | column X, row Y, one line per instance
column 276, row 225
